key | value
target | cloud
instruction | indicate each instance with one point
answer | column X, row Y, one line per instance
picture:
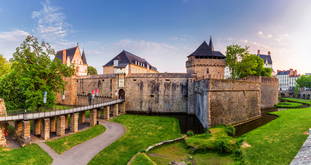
column 51, row 24
column 10, row 40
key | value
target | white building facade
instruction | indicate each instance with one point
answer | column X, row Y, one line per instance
column 287, row 79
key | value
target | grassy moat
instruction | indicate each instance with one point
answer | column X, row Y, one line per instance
column 275, row 143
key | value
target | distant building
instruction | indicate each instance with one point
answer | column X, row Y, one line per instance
column 128, row 63
column 73, row 56
column 287, row 79
column 204, row 62
column 308, row 74
column 266, row 58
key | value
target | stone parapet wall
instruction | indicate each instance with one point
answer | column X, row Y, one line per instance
column 269, row 87
column 226, row 101
column 157, row 93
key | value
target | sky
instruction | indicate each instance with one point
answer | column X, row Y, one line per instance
column 164, row 32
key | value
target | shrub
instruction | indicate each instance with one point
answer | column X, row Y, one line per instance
column 190, row 133
column 217, row 140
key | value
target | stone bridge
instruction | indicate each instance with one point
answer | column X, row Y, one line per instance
column 45, row 123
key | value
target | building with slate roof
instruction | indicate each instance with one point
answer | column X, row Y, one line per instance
column 205, row 62
column 287, row 79
column 266, row 58
column 73, row 56
column 127, row 63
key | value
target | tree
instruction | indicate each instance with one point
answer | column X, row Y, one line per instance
column 33, row 73
column 234, row 54
column 91, row 70
column 242, row 64
column 304, row 81
column 252, row 65
column 5, row 66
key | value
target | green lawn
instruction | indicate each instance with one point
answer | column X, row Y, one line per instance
column 31, row 154
column 142, row 131
column 277, row 142
column 304, row 101
column 178, row 151
column 65, row 143
column 288, row 105
column 142, row 159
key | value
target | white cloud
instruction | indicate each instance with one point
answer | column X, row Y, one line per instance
column 51, row 24
column 10, row 40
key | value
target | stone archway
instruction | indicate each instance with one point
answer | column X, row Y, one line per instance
column 121, row 94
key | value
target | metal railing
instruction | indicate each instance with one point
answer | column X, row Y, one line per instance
column 37, row 115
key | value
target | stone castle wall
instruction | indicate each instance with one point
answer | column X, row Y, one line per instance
column 269, row 87
column 157, row 93
column 212, row 101
column 70, row 92
column 226, row 101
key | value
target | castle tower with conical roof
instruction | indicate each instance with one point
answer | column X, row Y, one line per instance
column 205, row 63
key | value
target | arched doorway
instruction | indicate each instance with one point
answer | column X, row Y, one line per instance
column 121, row 94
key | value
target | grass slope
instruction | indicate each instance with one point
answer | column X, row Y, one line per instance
column 277, row 142
column 288, row 105
column 142, row 131
column 304, row 101
column 178, row 151
column 142, row 159
column 65, row 143
column 31, row 154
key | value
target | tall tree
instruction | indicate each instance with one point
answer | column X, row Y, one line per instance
column 5, row 66
column 242, row 64
column 252, row 65
column 234, row 54
column 33, row 73
column 91, row 70
column 304, row 81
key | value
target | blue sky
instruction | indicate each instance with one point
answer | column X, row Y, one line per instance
column 162, row 31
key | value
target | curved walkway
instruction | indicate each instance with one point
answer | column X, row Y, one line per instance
column 81, row 154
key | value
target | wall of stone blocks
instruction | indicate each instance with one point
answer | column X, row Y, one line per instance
column 70, row 92
column 77, row 89
column 226, row 101
column 157, row 93
column 269, row 92
column 269, row 87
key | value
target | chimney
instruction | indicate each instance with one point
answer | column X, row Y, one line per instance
column 258, row 51
column 269, row 53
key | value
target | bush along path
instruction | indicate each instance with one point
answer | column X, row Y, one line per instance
column 81, row 154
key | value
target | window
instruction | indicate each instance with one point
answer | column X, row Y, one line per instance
column 207, row 70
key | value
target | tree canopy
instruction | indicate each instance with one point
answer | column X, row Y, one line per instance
column 304, row 81
column 5, row 66
column 91, row 70
column 242, row 64
column 33, row 73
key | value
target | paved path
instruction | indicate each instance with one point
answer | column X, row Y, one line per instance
column 81, row 154
column 303, row 157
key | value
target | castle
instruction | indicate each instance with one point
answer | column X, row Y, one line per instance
column 202, row 91
column 73, row 57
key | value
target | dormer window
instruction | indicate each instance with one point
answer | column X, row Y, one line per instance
column 115, row 62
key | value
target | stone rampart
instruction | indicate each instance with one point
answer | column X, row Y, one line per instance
column 226, row 101
column 157, row 93
column 269, row 87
